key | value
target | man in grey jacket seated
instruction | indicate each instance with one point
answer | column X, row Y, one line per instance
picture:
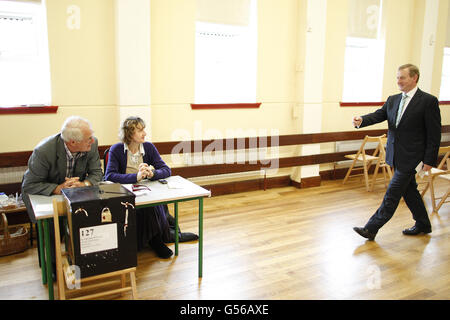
column 68, row 159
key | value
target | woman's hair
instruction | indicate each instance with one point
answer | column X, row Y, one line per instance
column 72, row 128
column 128, row 127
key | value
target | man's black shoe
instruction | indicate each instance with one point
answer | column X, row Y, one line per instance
column 414, row 231
column 363, row 232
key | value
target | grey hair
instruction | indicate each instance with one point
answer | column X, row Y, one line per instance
column 71, row 129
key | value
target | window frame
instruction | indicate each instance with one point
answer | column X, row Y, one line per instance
column 250, row 100
column 38, row 13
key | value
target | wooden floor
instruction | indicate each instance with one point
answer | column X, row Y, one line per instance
column 284, row 243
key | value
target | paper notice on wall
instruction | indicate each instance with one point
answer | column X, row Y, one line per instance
column 98, row 238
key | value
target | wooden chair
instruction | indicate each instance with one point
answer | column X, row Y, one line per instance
column 381, row 164
column 441, row 172
column 65, row 275
column 105, row 160
column 424, row 181
column 378, row 156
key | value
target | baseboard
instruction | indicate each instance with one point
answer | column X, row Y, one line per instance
column 310, row 182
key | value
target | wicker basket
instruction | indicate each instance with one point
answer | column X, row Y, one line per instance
column 12, row 239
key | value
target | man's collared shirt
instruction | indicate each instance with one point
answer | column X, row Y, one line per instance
column 134, row 160
column 71, row 159
column 410, row 95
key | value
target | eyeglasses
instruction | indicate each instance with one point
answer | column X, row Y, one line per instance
column 139, row 187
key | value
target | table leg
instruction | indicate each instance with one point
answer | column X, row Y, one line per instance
column 200, row 237
column 41, row 252
column 176, row 227
column 48, row 258
column 31, row 234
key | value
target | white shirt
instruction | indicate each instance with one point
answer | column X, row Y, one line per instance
column 141, row 149
column 410, row 95
column 134, row 160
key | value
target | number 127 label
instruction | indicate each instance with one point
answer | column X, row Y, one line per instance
column 98, row 238
column 86, row 232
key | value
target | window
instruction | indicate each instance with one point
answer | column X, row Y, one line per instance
column 364, row 53
column 24, row 58
column 444, row 93
column 226, row 51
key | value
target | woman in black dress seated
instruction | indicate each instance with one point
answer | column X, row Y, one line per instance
column 130, row 161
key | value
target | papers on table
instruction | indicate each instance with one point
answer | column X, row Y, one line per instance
column 140, row 192
column 174, row 185
column 137, row 193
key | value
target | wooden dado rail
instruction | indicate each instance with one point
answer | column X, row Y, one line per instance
column 15, row 159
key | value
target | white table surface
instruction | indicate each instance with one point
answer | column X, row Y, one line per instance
column 43, row 205
column 177, row 188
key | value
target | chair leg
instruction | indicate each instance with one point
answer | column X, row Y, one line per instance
column 422, row 193
column 442, row 201
column 389, row 170
column 123, row 282
column 366, row 177
column 133, row 285
column 349, row 171
column 375, row 173
column 433, row 198
column 58, row 254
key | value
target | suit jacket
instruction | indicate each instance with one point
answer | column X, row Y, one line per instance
column 418, row 135
column 117, row 164
column 47, row 166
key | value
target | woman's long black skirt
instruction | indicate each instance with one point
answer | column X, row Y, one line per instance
column 150, row 222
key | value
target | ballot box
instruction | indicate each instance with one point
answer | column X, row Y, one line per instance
column 100, row 229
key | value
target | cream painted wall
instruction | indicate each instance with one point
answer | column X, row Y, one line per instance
column 84, row 73
column 173, row 44
column 398, row 16
column 23, row 132
column 277, row 50
column 82, row 63
column 417, row 31
column 82, row 60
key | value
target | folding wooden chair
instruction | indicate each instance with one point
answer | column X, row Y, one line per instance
column 65, row 275
column 381, row 164
column 378, row 156
column 441, row 172
column 445, row 175
column 424, row 181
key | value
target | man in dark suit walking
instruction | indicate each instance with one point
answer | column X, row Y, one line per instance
column 414, row 135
